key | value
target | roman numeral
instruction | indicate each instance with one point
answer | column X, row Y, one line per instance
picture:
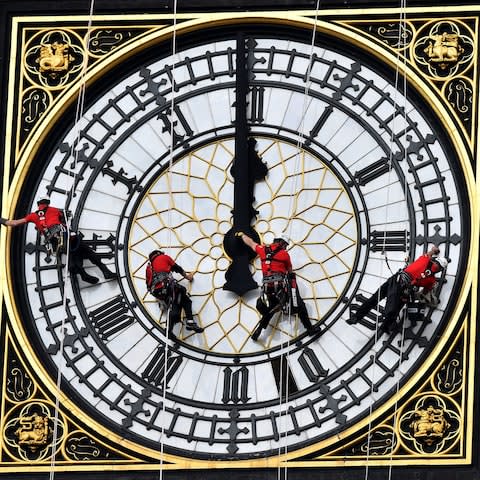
column 284, row 379
column 372, row 171
column 157, row 372
column 256, row 106
column 97, row 241
column 111, row 318
column 319, row 124
column 311, row 365
column 389, row 241
column 119, row 177
column 235, row 385
column 165, row 117
column 371, row 318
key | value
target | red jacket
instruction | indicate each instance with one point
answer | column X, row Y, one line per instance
column 422, row 272
column 161, row 263
column 46, row 218
column 280, row 261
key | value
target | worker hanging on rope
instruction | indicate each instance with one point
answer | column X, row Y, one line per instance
column 50, row 223
column 279, row 288
column 174, row 297
column 415, row 282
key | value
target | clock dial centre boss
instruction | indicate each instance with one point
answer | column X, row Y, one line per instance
column 349, row 169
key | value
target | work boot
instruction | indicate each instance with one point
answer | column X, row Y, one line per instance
column 191, row 325
column 389, row 327
column 172, row 336
column 108, row 275
column 353, row 319
column 88, row 278
column 311, row 330
column 257, row 333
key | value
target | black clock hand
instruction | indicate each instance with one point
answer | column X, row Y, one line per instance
column 246, row 169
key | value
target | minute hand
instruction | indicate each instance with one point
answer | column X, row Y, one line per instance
column 246, row 169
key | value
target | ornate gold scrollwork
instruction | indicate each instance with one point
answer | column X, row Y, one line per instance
column 380, row 442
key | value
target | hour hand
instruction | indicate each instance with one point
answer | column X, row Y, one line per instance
column 238, row 276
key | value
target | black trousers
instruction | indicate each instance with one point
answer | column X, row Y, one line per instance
column 177, row 299
column 393, row 290
column 276, row 300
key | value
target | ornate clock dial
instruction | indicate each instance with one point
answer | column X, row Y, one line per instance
column 358, row 172
column 203, row 193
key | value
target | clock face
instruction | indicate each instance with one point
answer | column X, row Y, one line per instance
column 358, row 176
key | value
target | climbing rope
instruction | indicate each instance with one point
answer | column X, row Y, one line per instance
column 285, row 359
column 401, row 29
column 66, row 280
column 301, row 130
column 169, row 220
column 405, row 309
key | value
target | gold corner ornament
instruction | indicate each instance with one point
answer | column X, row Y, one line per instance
column 444, row 49
column 34, row 432
column 54, row 58
column 28, row 431
column 431, row 425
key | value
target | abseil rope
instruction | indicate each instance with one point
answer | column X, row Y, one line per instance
column 66, row 277
column 284, row 362
column 169, row 227
column 401, row 27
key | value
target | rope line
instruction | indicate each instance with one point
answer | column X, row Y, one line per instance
column 284, row 359
column 384, row 240
column 169, row 228
column 301, row 134
column 405, row 309
column 66, row 279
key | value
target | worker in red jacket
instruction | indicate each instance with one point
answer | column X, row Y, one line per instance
column 279, row 288
column 49, row 222
column 162, row 285
column 398, row 289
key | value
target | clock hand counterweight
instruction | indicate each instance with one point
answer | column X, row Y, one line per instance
column 246, row 169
